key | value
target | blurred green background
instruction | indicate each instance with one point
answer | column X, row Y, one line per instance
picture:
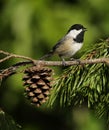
column 31, row 28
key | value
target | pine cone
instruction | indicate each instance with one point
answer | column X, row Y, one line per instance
column 37, row 84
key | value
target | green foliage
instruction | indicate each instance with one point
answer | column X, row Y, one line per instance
column 85, row 84
column 32, row 27
column 7, row 123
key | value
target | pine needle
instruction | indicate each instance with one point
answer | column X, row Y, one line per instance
column 85, row 84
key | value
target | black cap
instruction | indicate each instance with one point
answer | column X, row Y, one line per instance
column 77, row 27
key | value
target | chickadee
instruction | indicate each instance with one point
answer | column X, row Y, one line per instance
column 69, row 44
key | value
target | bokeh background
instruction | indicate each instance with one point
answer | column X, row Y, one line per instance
column 31, row 28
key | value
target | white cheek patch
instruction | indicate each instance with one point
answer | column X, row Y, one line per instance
column 74, row 33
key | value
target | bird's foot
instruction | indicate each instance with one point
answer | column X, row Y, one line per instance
column 77, row 60
column 63, row 63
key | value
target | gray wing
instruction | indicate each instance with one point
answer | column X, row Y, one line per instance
column 58, row 43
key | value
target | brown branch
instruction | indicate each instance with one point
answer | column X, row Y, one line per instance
column 11, row 55
column 74, row 62
column 4, row 52
column 12, row 69
column 6, row 58
column 51, row 63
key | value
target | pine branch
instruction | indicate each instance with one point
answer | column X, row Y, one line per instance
column 11, row 55
column 87, row 84
column 12, row 69
column 86, row 81
column 51, row 63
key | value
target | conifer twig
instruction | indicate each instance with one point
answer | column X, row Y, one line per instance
column 12, row 69
column 51, row 63
column 11, row 55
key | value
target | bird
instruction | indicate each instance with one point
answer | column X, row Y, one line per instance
column 68, row 45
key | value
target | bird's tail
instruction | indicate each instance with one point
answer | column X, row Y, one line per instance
column 47, row 55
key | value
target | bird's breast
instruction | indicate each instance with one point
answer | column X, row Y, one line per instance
column 68, row 48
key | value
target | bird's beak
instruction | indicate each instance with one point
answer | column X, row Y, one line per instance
column 85, row 29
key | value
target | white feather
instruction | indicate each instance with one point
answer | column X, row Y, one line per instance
column 73, row 33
